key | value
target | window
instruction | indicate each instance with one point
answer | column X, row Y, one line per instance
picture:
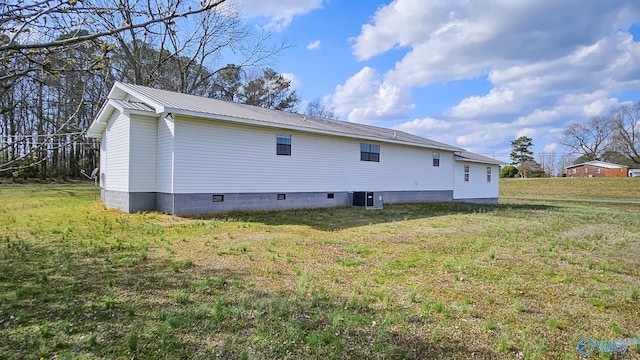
column 488, row 173
column 370, row 152
column 282, row 196
column 584, row 169
column 436, row 159
column 283, row 146
column 573, row 171
column 218, row 198
column 597, row 170
column 330, row 195
column 466, row 173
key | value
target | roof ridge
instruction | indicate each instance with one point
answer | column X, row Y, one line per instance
column 189, row 103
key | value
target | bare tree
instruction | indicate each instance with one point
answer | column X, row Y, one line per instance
column 626, row 123
column 315, row 108
column 45, row 46
column 565, row 160
column 590, row 138
column 548, row 163
column 181, row 55
column 31, row 30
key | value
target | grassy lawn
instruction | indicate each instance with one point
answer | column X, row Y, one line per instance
column 578, row 188
column 435, row 280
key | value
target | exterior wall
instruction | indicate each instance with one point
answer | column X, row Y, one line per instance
column 616, row 172
column 477, row 189
column 176, row 166
column 392, row 197
column 142, row 154
column 184, row 204
column 116, row 144
column 129, row 201
column 128, row 163
column 164, row 165
column 595, row 171
column 103, row 163
column 217, row 157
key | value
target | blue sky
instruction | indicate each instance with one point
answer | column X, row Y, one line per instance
column 476, row 74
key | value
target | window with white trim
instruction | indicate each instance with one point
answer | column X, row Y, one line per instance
column 369, row 152
column 436, row 159
column 488, row 174
column 283, row 144
column 466, row 173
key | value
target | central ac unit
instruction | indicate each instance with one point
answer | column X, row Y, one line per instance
column 367, row 199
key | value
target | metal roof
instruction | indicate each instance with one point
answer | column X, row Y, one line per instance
column 131, row 105
column 142, row 98
column 469, row 156
column 602, row 164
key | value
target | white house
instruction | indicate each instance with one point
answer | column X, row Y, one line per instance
column 183, row 154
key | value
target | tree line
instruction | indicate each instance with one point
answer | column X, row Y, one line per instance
column 59, row 59
column 613, row 138
column 524, row 163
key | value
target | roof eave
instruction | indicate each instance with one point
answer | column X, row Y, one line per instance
column 98, row 125
column 126, row 90
column 119, row 91
column 496, row 162
column 481, row 160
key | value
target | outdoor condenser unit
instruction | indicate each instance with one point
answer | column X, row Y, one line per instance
column 367, row 199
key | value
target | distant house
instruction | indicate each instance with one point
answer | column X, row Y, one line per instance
column 634, row 172
column 183, row 154
column 596, row 169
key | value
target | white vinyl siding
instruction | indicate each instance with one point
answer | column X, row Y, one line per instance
column 103, row 160
column 164, row 167
column 117, row 157
column 143, row 154
column 477, row 187
column 212, row 156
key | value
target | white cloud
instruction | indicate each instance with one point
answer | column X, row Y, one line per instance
column 537, row 117
column 550, row 148
column 313, row 45
column 549, row 63
column 498, row 101
column 365, row 98
column 423, row 125
column 279, row 13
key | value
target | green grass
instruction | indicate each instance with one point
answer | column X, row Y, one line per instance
column 579, row 188
column 440, row 280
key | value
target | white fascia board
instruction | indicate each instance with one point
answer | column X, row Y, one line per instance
column 141, row 113
column 260, row 123
column 119, row 92
column 96, row 129
column 496, row 162
column 124, row 90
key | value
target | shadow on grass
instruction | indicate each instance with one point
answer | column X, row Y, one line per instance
column 64, row 301
column 332, row 219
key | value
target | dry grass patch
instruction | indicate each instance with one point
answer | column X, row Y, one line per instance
column 409, row 281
